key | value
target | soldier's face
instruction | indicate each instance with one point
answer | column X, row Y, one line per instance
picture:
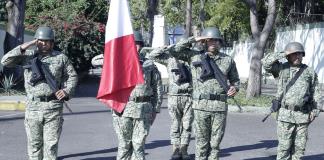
column 295, row 58
column 44, row 46
column 213, row 45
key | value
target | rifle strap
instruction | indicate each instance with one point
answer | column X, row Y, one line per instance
column 222, row 80
column 293, row 80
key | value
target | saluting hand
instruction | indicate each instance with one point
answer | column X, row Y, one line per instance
column 231, row 91
column 60, row 94
column 26, row 45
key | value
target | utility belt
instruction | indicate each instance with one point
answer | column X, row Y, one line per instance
column 218, row 97
column 45, row 98
column 183, row 91
column 303, row 109
column 140, row 99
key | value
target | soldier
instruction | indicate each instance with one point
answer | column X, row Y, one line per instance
column 299, row 102
column 44, row 108
column 179, row 102
column 133, row 124
column 208, row 96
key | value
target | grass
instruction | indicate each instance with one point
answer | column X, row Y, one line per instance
column 262, row 101
column 12, row 92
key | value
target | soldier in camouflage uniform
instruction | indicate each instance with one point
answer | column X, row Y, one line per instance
column 133, row 124
column 44, row 109
column 209, row 99
column 179, row 101
column 299, row 105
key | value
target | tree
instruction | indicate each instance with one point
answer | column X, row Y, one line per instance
column 260, row 39
column 151, row 12
column 14, row 31
column 188, row 18
column 79, row 27
column 15, row 24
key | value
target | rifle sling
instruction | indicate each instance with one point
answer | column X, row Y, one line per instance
column 293, row 80
column 219, row 76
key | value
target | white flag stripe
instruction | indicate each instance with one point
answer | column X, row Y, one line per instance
column 119, row 23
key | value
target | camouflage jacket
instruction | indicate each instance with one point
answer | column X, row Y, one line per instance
column 58, row 65
column 152, row 88
column 295, row 107
column 203, row 89
column 175, row 88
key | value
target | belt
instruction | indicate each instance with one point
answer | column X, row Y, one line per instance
column 45, row 98
column 140, row 99
column 218, row 97
column 300, row 109
column 183, row 91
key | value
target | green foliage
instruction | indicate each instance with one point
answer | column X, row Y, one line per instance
column 7, row 83
column 3, row 12
column 78, row 24
column 231, row 16
column 175, row 11
column 138, row 10
column 261, row 101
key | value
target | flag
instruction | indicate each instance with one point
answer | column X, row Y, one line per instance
column 121, row 70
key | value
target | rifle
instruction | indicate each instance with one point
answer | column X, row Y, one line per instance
column 53, row 85
column 205, row 68
column 217, row 74
column 182, row 71
column 37, row 74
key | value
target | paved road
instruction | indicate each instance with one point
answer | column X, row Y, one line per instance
column 88, row 135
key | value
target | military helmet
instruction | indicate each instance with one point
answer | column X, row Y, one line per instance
column 138, row 37
column 44, row 33
column 181, row 38
column 210, row 33
column 294, row 47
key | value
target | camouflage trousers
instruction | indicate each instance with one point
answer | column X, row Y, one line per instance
column 209, row 129
column 43, row 130
column 131, row 133
column 181, row 114
column 292, row 140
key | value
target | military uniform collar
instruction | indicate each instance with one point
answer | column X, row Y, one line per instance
column 214, row 56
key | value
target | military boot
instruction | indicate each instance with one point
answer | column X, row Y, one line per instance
column 176, row 153
column 184, row 152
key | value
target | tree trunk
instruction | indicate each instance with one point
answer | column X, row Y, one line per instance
column 260, row 40
column 15, row 31
column 15, row 25
column 151, row 12
column 188, row 18
column 202, row 14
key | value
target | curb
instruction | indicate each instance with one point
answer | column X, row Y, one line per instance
column 12, row 105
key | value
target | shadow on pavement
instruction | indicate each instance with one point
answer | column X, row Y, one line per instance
column 314, row 157
column 100, row 158
column 273, row 157
column 90, row 153
column 157, row 144
column 263, row 144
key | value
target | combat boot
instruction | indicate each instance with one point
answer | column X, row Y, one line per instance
column 176, row 153
column 184, row 152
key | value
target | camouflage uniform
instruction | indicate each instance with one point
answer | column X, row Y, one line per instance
column 294, row 115
column 209, row 112
column 44, row 114
column 179, row 101
column 132, row 126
